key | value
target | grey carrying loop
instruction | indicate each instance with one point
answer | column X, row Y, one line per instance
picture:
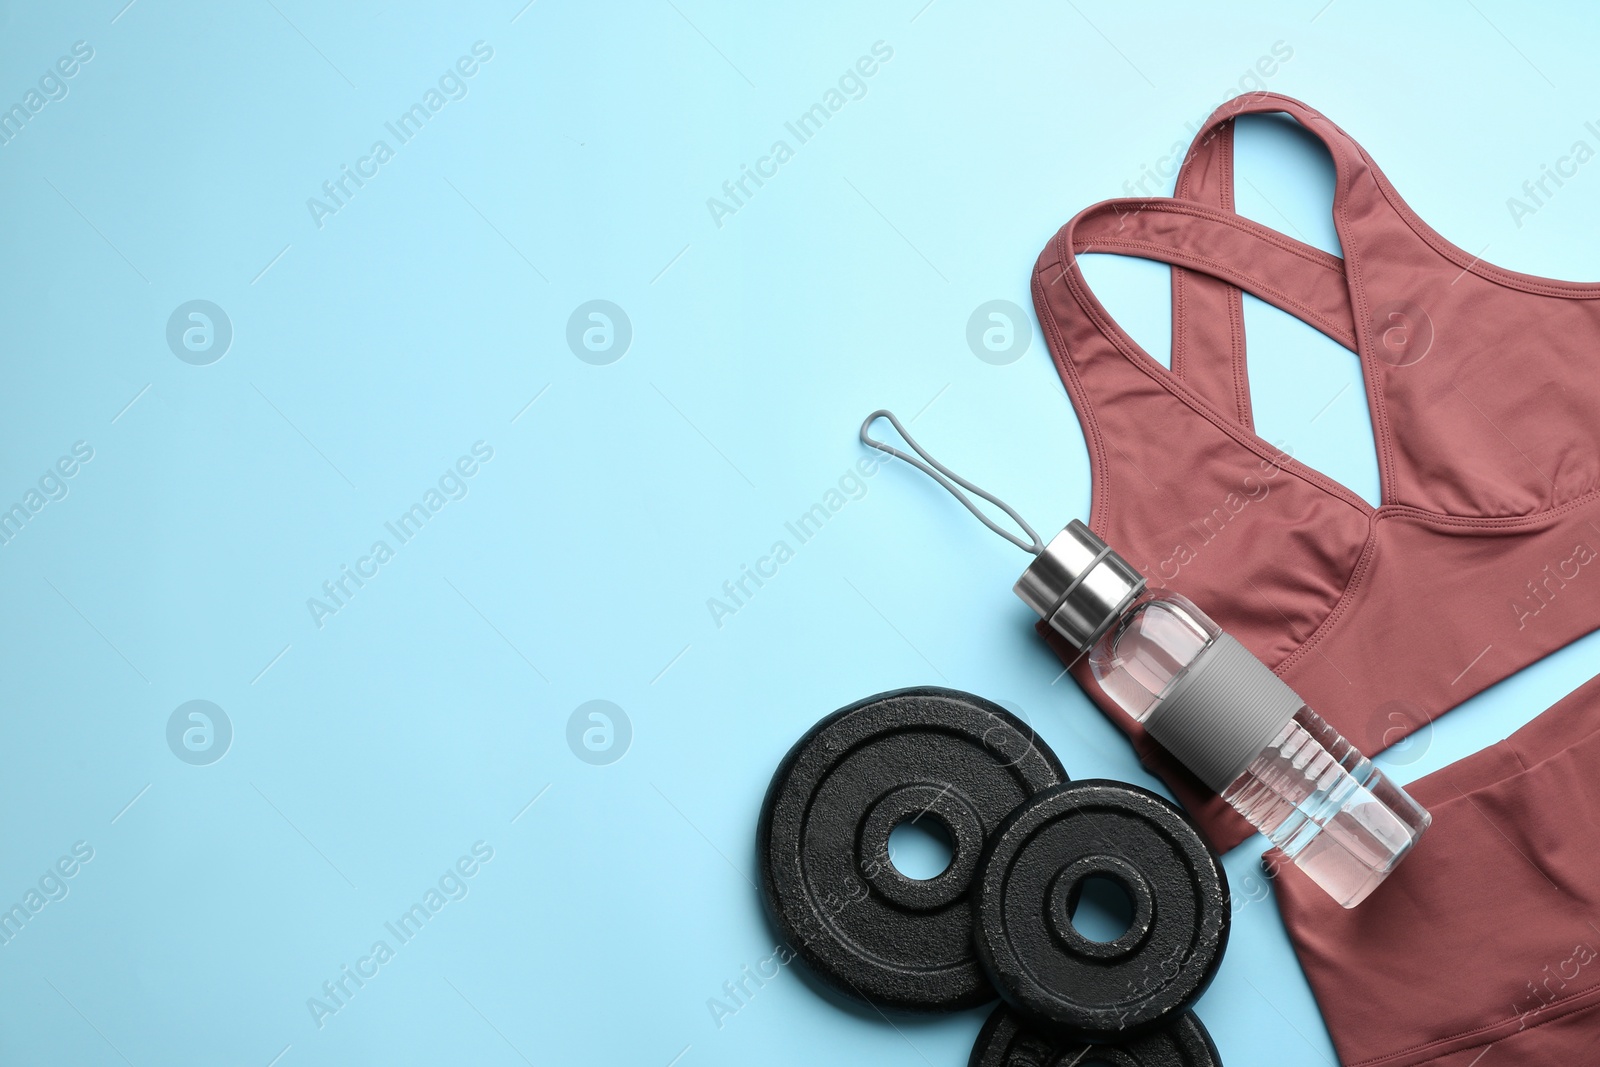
column 950, row 480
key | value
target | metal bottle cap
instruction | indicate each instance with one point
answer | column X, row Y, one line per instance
column 1079, row 585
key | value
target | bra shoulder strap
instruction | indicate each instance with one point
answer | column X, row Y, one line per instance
column 1207, row 311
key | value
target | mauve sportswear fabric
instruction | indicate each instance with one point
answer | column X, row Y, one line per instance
column 1484, row 391
column 1483, row 948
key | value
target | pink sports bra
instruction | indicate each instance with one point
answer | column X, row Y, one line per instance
column 1484, row 390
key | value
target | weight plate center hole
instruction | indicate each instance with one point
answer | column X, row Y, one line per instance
column 1101, row 909
column 922, row 847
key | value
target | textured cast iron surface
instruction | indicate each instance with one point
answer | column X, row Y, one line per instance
column 1029, row 884
column 1007, row 1040
column 826, row 878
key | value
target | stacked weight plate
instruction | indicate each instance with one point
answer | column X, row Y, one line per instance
column 998, row 919
column 1007, row 1040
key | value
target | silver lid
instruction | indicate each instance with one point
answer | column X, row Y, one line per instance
column 1079, row 585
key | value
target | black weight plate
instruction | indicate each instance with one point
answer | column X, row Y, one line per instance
column 826, row 878
column 1007, row 1040
column 1030, row 883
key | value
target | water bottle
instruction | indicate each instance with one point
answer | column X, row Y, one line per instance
column 1221, row 712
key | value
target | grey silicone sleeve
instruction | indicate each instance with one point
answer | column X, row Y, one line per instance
column 1221, row 712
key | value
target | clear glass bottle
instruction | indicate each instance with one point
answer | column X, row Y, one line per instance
column 1333, row 813
column 1226, row 716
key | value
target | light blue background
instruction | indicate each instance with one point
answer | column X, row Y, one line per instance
column 368, row 354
